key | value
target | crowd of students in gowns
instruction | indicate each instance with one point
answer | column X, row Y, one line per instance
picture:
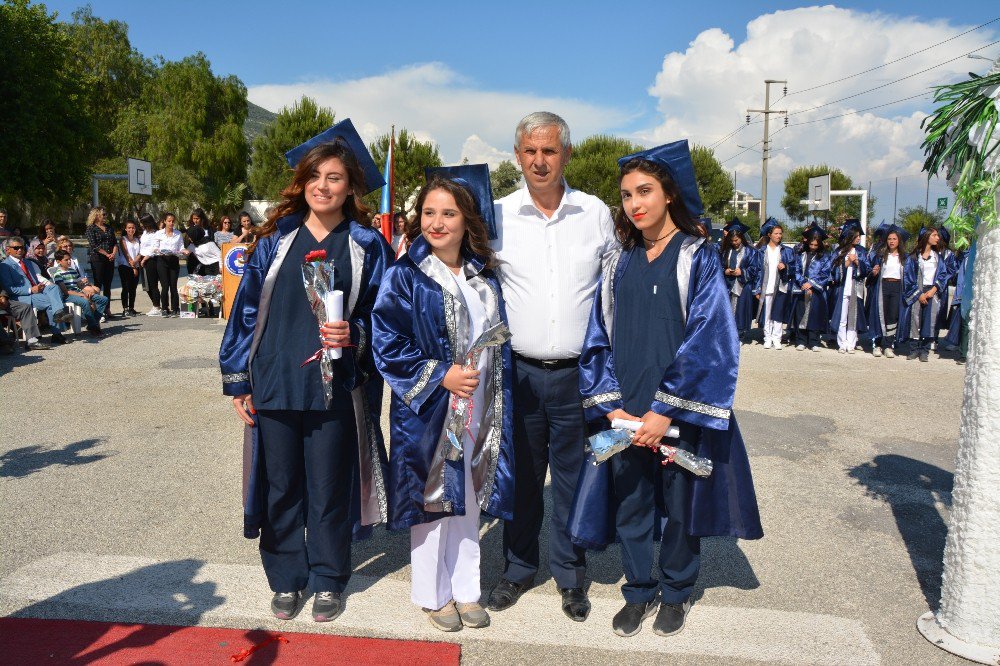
column 882, row 297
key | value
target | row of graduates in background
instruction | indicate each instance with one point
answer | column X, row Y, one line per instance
column 659, row 347
column 895, row 299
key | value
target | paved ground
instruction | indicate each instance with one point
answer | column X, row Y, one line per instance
column 123, row 504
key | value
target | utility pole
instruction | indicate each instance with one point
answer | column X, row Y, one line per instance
column 767, row 111
column 895, row 198
column 927, row 194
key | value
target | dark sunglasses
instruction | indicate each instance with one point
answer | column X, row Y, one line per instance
column 15, row 247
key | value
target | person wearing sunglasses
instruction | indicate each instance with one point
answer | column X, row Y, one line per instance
column 22, row 280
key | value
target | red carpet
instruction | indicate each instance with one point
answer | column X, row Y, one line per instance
column 33, row 641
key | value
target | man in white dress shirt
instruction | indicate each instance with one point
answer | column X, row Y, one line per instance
column 552, row 243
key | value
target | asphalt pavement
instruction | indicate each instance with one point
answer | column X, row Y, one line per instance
column 120, row 501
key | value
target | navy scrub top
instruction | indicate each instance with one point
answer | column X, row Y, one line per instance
column 291, row 334
column 649, row 325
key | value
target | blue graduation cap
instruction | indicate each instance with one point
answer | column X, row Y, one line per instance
column 476, row 179
column 737, row 227
column 882, row 231
column 345, row 133
column 850, row 226
column 944, row 234
column 768, row 226
column 676, row 159
column 815, row 230
column 903, row 234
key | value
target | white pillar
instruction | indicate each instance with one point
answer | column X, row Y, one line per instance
column 968, row 622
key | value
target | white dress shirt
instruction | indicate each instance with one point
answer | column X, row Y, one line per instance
column 549, row 269
column 891, row 268
column 149, row 244
column 133, row 251
column 172, row 244
column 929, row 269
column 773, row 259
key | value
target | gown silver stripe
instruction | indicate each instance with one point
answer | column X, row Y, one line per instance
column 692, row 406
column 425, row 378
column 601, row 398
column 235, row 377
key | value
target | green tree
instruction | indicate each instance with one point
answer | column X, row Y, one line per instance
column 113, row 71
column 797, row 187
column 504, row 179
column 913, row 217
column 46, row 128
column 411, row 157
column 715, row 185
column 191, row 119
column 269, row 172
column 593, row 167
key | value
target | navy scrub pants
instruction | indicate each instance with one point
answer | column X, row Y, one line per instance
column 310, row 459
column 641, row 483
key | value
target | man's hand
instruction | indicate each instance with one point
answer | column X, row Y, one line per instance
column 654, row 428
column 37, row 289
column 460, row 381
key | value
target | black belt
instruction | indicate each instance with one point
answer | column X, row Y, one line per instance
column 890, row 279
column 558, row 364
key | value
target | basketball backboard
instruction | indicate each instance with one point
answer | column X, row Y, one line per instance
column 140, row 177
column 818, row 196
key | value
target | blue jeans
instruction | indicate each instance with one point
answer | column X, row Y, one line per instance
column 93, row 316
column 49, row 299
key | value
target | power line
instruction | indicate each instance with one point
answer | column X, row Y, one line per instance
column 851, row 113
column 893, row 82
column 892, row 62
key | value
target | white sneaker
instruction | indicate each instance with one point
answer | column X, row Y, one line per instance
column 800, row 347
column 876, row 351
column 768, row 344
column 816, row 348
column 851, row 350
column 841, row 350
column 778, row 345
column 155, row 312
column 889, row 353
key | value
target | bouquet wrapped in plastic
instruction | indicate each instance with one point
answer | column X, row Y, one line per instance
column 460, row 414
column 609, row 442
column 327, row 304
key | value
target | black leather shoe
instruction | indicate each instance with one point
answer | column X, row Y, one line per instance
column 58, row 339
column 506, row 594
column 575, row 603
column 628, row 621
column 670, row 619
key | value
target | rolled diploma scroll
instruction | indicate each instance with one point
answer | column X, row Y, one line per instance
column 334, row 302
column 673, row 432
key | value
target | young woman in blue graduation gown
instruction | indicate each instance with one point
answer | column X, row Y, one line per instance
column 313, row 471
column 739, row 265
column 810, row 316
column 951, row 262
column 849, row 268
column 661, row 348
column 885, row 292
column 775, row 280
column 925, row 278
column 436, row 300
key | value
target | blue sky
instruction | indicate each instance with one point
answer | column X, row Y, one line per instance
column 602, row 65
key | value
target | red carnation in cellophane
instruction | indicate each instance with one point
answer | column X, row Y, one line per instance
column 316, row 255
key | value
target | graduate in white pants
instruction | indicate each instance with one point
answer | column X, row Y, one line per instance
column 774, row 282
column 434, row 303
column 849, row 269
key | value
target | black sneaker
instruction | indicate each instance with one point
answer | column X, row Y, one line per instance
column 924, row 357
column 912, row 356
column 285, row 604
column 58, row 339
column 327, row 606
column 670, row 619
column 628, row 621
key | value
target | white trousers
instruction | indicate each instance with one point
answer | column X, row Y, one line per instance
column 846, row 339
column 772, row 329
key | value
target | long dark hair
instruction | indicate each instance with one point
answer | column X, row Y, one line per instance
column 846, row 245
column 628, row 235
column 883, row 250
column 923, row 240
column 476, row 239
column 200, row 212
column 294, row 197
column 727, row 242
column 820, row 251
column 766, row 238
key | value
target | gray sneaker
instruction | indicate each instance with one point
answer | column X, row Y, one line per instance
column 446, row 618
column 284, row 605
column 327, row 606
column 473, row 615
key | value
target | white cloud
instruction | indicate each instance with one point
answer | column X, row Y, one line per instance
column 478, row 151
column 438, row 104
column 703, row 92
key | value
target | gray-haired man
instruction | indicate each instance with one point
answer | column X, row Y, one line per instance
column 553, row 241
